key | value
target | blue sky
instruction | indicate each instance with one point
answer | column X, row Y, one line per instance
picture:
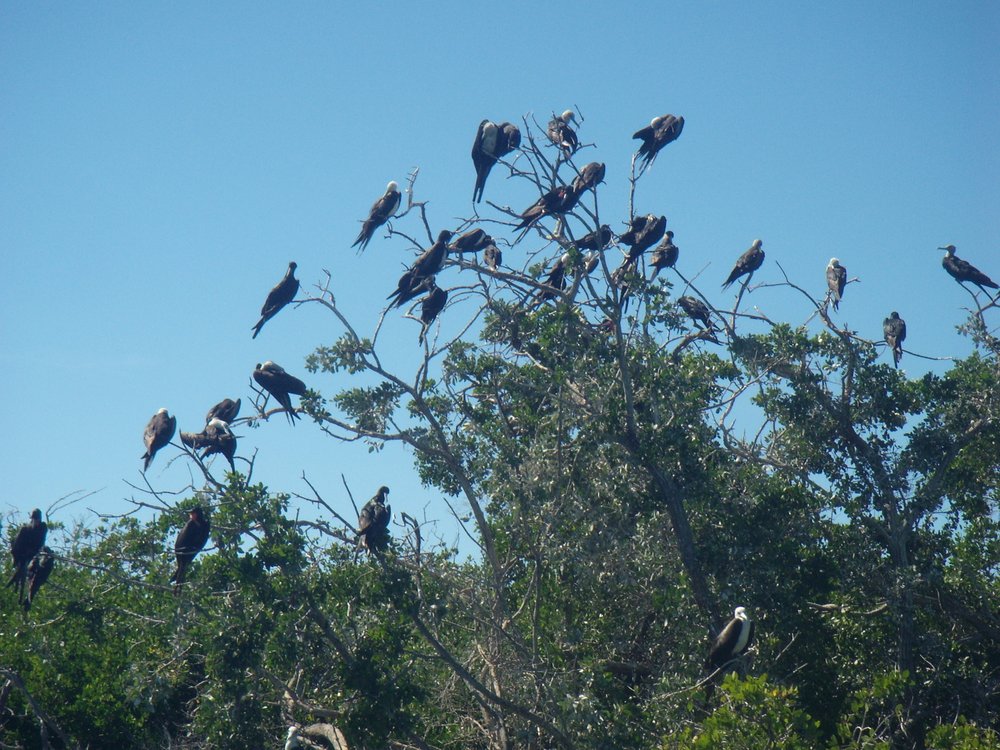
column 162, row 164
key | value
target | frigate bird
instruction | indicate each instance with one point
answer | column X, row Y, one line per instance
column 27, row 543
column 894, row 328
column 432, row 304
column 273, row 379
column 190, row 541
column 282, row 293
column 656, row 135
column 217, row 437
column 596, row 240
column 643, row 232
column 380, row 212
column 492, row 142
column 748, row 263
column 373, row 522
column 733, row 640
column 665, row 255
column 589, row 178
column 697, row 311
column 39, row 570
column 559, row 199
column 562, row 134
column 471, row 242
column 622, row 277
column 492, row 256
column 226, row 410
column 555, row 282
column 427, row 264
column 962, row 270
column 159, row 431
column 836, row 280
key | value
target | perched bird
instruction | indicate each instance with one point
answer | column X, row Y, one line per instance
column 427, row 264
column 492, row 256
column 273, row 379
column 373, row 522
column 283, row 293
column 623, row 276
column 643, row 232
column 39, row 571
column 561, row 134
column 471, row 242
column 748, row 263
column 432, row 304
column 159, row 431
column 697, row 311
column 656, row 135
column 665, row 255
column 492, row 142
column 29, row 541
column 589, row 178
column 217, row 437
column 190, row 542
column 380, row 212
column 894, row 328
column 292, row 739
column 555, row 282
column 596, row 240
column 558, row 200
column 836, row 280
column 733, row 640
column 962, row 270
column 226, row 410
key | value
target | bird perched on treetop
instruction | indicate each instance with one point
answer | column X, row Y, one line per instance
column 471, row 242
column 589, row 178
column 282, row 293
column 226, row 410
column 28, row 542
column 380, row 212
column 656, row 135
column 749, row 262
column 665, row 255
column 190, row 541
column 962, row 270
column 894, row 328
column 836, row 280
column 427, row 264
column 492, row 142
column 273, row 379
column 562, row 134
column 159, row 431
column 643, row 232
column 373, row 522
column 558, row 200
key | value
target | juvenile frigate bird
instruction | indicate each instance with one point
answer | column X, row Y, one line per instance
column 471, row 242
column 589, row 178
column 665, row 255
column 427, row 264
column 894, row 328
column 836, row 280
column 373, row 522
column 159, row 431
column 733, row 640
column 748, row 263
column 190, row 541
column 643, row 232
column 962, row 270
column 432, row 304
column 28, row 542
column 283, row 293
column 596, row 240
column 492, row 256
column 492, row 142
column 656, row 135
column 697, row 311
column 39, row 570
column 226, row 410
column 217, row 437
column 555, row 282
column 559, row 199
column 562, row 134
column 380, row 212
column 273, row 379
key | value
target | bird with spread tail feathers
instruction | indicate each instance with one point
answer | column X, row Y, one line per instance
column 29, row 541
column 962, row 270
column 836, row 280
column 159, row 431
column 190, row 541
column 373, row 522
column 747, row 263
column 894, row 329
column 656, row 135
column 380, row 212
column 492, row 142
column 282, row 293
column 273, row 379
column 562, row 134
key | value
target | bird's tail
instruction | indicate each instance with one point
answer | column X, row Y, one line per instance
column 257, row 327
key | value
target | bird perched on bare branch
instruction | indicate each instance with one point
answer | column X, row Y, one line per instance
column 471, row 242
column 282, row 293
column 697, row 311
column 962, row 270
column 665, row 255
column 380, row 212
column 227, row 410
column 217, row 437
column 431, row 306
column 643, row 232
column 427, row 264
column 555, row 282
column 159, row 431
column 747, row 263
column 190, row 541
column 589, row 178
column 492, row 256
column 836, row 280
column 492, row 142
column 558, row 200
column 39, row 570
column 894, row 329
column 273, row 379
column 656, row 135
column 562, row 134
column 596, row 240
column 29, row 541
column 373, row 522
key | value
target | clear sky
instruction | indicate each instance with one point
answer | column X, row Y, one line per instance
column 160, row 164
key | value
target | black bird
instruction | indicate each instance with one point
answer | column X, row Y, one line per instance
column 283, row 293
column 596, row 240
column 836, row 280
column 894, row 328
column 656, row 135
column 432, row 304
column 159, row 431
column 427, row 264
column 217, row 437
column 697, row 311
column 380, row 212
column 622, row 278
column 273, row 379
column 190, row 542
column 28, row 542
column 643, row 232
column 558, row 200
column 733, row 640
column 589, row 178
column 226, row 410
column 665, row 255
column 373, row 522
column 492, row 142
column 561, row 134
column 471, row 242
column 492, row 256
column 748, row 263
column 555, row 282
column 39, row 571
column 962, row 270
